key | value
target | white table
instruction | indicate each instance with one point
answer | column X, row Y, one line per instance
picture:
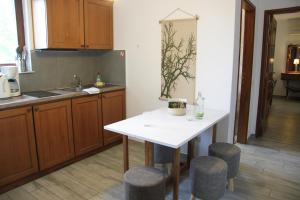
column 162, row 128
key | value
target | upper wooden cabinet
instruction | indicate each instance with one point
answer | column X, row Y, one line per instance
column 54, row 133
column 113, row 109
column 87, row 123
column 98, row 23
column 77, row 24
column 18, row 156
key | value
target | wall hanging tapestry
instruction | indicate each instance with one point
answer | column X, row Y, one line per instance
column 178, row 57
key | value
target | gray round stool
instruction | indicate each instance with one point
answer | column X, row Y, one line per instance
column 231, row 154
column 163, row 158
column 208, row 177
column 144, row 183
column 162, row 154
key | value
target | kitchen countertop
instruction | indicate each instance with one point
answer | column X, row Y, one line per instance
column 25, row 100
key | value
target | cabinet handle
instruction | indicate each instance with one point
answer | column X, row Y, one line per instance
column 82, row 45
column 36, row 109
column 87, row 46
column 29, row 110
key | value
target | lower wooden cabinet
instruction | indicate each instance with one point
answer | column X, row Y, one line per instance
column 63, row 130
column 87, row 123
column 54, row 133
column 18, row 157
column 113, row 110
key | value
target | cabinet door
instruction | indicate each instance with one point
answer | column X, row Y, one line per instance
column 98, row 22
column 17, row 145
column 86, row 124
column 113, row 109
column 65, row 23
column 54, row 133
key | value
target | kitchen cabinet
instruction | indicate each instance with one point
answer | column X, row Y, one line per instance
column 54, row 133
column 87, row 124
column 58, row 24
column 73, row 24
column 35, row 139
column 18, row 156
column 98, row 23
column 113, row 110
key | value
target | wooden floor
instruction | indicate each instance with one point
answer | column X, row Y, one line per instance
column 270, row 168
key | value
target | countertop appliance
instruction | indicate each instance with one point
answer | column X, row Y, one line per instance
column 12, row 76
column 4, row 86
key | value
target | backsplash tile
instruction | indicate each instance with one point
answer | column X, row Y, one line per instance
column 110, row 70
column 55, row 69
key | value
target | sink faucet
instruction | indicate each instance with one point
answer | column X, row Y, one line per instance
column 77, row 82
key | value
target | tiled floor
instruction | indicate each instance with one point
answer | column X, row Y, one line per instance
column 283, row 126
column 270, row 168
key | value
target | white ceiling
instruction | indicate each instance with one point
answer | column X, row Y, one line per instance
column 287, row 16
column 292, row 20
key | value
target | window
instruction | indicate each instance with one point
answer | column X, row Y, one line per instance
column 11, row 30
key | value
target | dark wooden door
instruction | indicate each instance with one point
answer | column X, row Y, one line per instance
column 86, row 123
column 245, row 72
column 54, row 133
column 65, row 24
column 113, row 109
column 266, row 81
column 17, row 145
column 98, row 22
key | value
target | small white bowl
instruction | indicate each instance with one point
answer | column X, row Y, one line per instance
column 177, row 107
column 177, row 111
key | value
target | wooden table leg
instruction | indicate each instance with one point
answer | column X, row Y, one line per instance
column 176, row 173
column 125, row 153
column 214, row 135
column 149, row 154
column 287, row 89
column 191, row 152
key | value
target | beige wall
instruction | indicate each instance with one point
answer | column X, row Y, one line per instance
column 261, row 6
column 283, row 39
column 137, row 30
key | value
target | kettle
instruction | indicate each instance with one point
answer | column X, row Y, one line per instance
column 4, row 86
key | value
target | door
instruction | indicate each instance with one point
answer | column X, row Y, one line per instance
column 98, row 22
column 17, row 145
column 87, row 123
column 54, row 133
column 244, row 72
column 65, row 24
column 266, row 81
column 113, row 109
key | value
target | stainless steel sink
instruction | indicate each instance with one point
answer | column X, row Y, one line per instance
column 72, row 89
column 41, row 94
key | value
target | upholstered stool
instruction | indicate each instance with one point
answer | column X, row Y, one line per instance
column 231, row 154
column 162, row 154
column 144, row 183
column 163, row 158
column 208, row 177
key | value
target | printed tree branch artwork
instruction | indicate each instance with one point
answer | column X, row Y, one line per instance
column 177, row 58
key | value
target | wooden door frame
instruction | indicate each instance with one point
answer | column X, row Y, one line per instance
column 262, row 85
column 242, row 112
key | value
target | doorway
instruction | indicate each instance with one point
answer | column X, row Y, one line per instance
column 244, row 72
column 267, row 70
